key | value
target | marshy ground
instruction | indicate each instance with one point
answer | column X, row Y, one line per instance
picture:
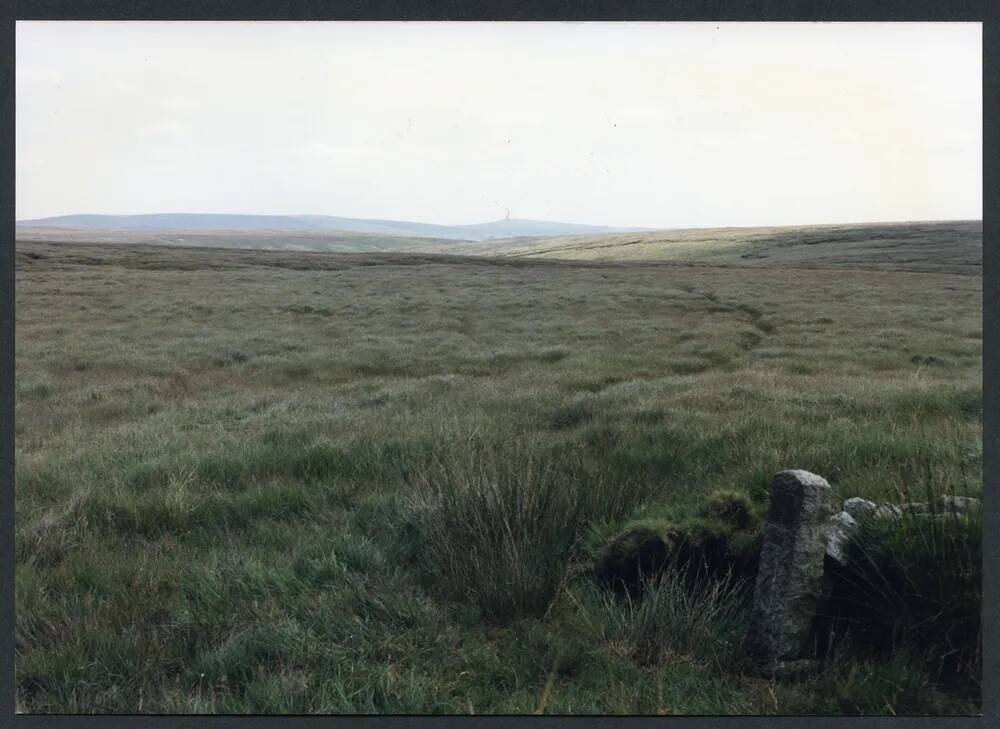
column 228, row 464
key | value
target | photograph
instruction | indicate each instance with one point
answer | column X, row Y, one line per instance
column 499, row 368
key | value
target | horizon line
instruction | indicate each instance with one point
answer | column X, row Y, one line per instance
column 633, row 227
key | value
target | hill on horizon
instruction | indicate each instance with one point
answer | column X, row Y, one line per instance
column 955, row 246
column 507, row 228
column 951, row 245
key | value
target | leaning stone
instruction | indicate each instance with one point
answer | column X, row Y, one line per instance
column 790, row 574
column 839, row 532
column 844, row 520
column 888, row 511
column 958, row 504
column 859, row 508
column 916, row 507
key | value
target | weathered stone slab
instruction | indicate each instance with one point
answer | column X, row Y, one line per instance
column 789, row 580
column 841, row 526
column 859, row 508
column 958, row 504
column 888, row 511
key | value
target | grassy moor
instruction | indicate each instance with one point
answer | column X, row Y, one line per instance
column 361, row 474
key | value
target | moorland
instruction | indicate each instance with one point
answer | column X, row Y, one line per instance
column 372, row 478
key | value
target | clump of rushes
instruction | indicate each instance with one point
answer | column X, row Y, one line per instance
column 498, row 528
column 915, row 583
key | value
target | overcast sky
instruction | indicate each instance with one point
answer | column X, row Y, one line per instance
column 645, row 124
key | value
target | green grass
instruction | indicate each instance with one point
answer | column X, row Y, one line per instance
column 916, row 583
column 261, row 482
column 673, row 622
column 917, row 246
column 499, row 530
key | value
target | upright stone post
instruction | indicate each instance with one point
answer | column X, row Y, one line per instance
column 790, row 574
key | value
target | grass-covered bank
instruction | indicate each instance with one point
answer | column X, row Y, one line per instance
column 272, row 487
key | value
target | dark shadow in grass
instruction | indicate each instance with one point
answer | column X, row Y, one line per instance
column 749, row 340
column 752, row 311
column 550, row 356
column 383, row 369
column 571, row 415
column 766, row 326
column 296, row 370
column 595, row 385
column 688, row 366
column 228, row 357
column 929, row 360
column 306, row 309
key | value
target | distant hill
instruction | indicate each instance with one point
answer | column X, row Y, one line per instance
column 163, row 222
column 955, row 245
column 318, row 241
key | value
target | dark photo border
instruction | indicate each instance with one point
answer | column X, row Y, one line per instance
column 591, row 10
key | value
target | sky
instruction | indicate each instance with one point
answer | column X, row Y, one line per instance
column 631, row 124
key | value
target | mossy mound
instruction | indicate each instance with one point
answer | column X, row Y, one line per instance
column 640, row 552
column 732, row 508
column 725, row 538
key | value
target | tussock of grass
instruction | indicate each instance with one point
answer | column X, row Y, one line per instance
column 499, row 529
column 731, row 508
column 676, row 619
column 689, row 366
column 916, row 583
column 571, row 415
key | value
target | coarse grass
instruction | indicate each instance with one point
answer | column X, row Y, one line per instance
column 498, row 525
column 893, row 685
column 915, row 583
column 227, row 462
column 677, row 618
column 919, row 246
column 732, row 508
column 498, row 530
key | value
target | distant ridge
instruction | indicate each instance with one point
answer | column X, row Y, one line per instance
column 508, row 228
